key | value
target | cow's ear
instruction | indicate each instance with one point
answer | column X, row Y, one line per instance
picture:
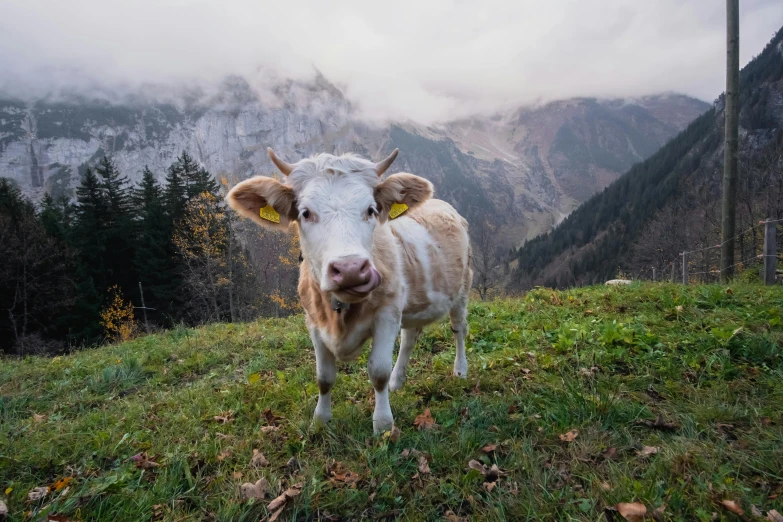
column 406, row 190
column 264, row 200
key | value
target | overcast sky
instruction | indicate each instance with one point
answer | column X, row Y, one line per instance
column 428, row 60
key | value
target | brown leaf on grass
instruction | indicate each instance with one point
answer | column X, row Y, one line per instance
column 732, row 506
column 270, row 418
column 589, row 312
column 238, row 475
column 223, row 436
column 450, row 516
column 258, row 460
column 774, row 516
column 646, row 451
column 569, row 436
column 158, row 511
column 756, row 512
column 489, row 486
column 609, row 453
column 606, row 486
column 658, row 424
column 256, row 491
column 293, row 464
column 57, row 518
column 424, row 466
column 631, row 511
column 37, row 494
column 270, row 429
column 392, row 435
column 410, row 452
column 512, row 408
column 223, row 455
column 339, row 475
column 278, row 505
column 38, row 418
column 425, row 421
column 491, row 473
column 464, row 414
column 224, row 417
column 143, row 461
column 489, row 448
column 766, row 421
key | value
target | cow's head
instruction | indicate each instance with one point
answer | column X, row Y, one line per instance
column 337, row 202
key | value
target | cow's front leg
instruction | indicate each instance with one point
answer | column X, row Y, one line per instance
column 326, row 374
column 386, row 328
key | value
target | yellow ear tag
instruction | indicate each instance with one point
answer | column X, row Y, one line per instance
column 397, row 209
column 270, row 214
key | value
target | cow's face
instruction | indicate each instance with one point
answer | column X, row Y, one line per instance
column 337, row 202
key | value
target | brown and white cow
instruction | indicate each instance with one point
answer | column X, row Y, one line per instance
column 378, row 255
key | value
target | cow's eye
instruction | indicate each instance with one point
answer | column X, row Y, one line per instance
column 371, row 211
column 306, row 214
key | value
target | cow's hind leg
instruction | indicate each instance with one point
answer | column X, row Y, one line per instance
column 459, row 325
column 407, row 343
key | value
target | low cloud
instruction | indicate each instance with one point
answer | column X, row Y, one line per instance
column 427, row 61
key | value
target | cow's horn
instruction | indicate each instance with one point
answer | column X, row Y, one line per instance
column 285, row 168
column 382, row 166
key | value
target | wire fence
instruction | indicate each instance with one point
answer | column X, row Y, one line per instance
column 702, row 265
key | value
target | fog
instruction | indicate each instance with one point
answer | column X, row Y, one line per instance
column 425, row 60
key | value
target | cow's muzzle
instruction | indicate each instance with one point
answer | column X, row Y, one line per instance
column 354, row 276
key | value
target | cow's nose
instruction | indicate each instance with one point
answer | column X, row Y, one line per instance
column 350, row 271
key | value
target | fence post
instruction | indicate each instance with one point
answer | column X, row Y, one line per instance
column 653, row 274
column 144, row 308
column 770, row 251
column 684, row 268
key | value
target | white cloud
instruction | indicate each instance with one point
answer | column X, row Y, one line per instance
column 427, row 60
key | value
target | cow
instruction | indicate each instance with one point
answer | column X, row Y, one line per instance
column 378, row 255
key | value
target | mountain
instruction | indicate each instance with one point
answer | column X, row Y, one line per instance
column 525, row 169
column 670, row 202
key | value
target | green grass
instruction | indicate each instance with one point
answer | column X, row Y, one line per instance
column 596, row 359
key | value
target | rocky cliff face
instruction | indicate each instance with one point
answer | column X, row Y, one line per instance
column 526, row 169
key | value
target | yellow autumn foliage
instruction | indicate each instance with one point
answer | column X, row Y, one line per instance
column 117, row 319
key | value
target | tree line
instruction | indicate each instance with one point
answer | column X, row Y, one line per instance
column 72, row 270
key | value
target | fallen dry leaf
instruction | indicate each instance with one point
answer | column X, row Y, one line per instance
column 223, row 455
column 223, row 436
column 269, row 429
column 410, row 452
column 158, row 511
column 569, row 436
column 60, row 484
column 646, row 451
column 143, row 461
column 339, row 475
column 658, row 424
column 659, row 512
column 425, row 421
column 257, row 490
column 258, row 460
column 225, row 417
column 489, row 486
column 489, row 448
column 766, row 421
column 605, row 486
column 271, row 418
column 631, row 511
column 732, row 506
column 393, row 435
column 238, row 475
column 424, row 466
column 38, row 418
column 610, row 453
column 293, row 464
column 774, row 516
column 451, row 517
column 756, row 512
column 278, row 505
column 490, row 473
column 36, row 494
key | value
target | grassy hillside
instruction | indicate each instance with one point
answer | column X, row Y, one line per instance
column 164, row 427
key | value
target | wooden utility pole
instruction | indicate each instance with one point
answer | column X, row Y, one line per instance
column 144, row 308
column 731, row 111
column 770, row 251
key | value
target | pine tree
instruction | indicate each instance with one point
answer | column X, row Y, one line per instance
column 118, row 229
column 155, row 261
column 197, row 179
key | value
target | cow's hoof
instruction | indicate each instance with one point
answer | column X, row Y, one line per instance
column 379, row 426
